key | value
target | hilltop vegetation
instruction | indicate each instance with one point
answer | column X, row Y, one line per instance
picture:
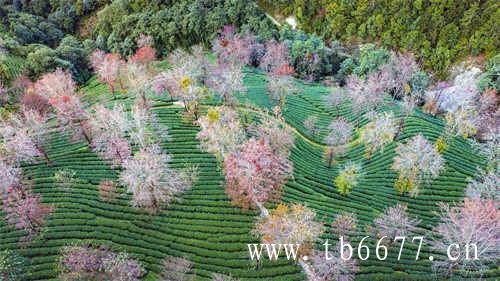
column 152, row 153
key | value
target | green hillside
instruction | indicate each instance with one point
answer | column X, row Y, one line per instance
column 205, row 227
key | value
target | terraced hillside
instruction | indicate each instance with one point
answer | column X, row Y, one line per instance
column 204, row 226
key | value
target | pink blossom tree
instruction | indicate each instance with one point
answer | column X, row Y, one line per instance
column 139, row 83
column 83, row 262
column 24, row 136
column 417, row 162
column 24, row 210
column 294, row 224
column 336, row 98
column 255, row 175
column 368, row 94
column 60, row 88
column 340, row 133
column 331, row 267
column 395, row 221
column 221, row 131
column 475, row 227
column 150, row 179
column 344, row 224
column 184, row 80
column 144, row 55
column 280, row 84
column 232, row 48
column 10, row 175
column 275, row 133
column 35, row 102
column 226, row 79
column 275, row 56
column 396, row 74
column 109, row 129
column 108, row 69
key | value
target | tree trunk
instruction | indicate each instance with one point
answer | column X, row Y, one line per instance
column 263, row 211
column 44, row 154
column 400, row 127
column 307, row 269
column 84, row 133
column 112, row 89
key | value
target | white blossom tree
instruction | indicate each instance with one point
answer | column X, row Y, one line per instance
column 150, row 179
column 379, row 132
column 340, row 133
column 110, row 128
column 395, row 221
column 417, row 162
column 221, row 131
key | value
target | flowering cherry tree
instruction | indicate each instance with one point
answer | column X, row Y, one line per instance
column 275, row 134
column 226, row 79
column 109, row 129
column 184, row 81
column 232, row 48
column 139, row 83
column 417, row 162
column 176, row 269
column 396, row 74
column 487, row 186
column 365, row 95
column 311, row 125
column 98, row 263
column 340, row 133
column 331, row 267
column 294, row 224
column 24, row 137
column 276, row 55
column 60, row 88
column 379, row 132
column 221, row 131
column 145, row 129
column 395, row 222
column 489, row 149
column 344, row 224
column 10, row 175
column 336, row 98
column 150, row 179
column 280, row 84
column 35, row 102
column 255, row 174
column 107, row 68
column 24, row 210
column 475, row 227
column 145, row 55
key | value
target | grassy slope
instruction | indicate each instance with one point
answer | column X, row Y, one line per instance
column 205, row 227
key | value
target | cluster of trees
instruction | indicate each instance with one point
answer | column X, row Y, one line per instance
column 438, row 32
column 85, row 262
